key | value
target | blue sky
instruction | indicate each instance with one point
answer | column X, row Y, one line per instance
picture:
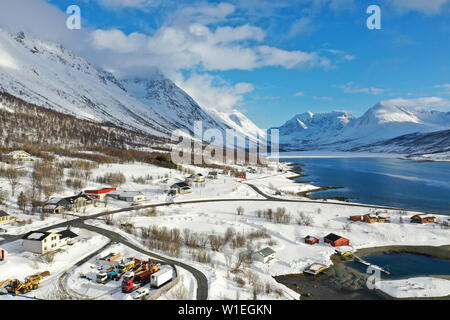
column 275, row 59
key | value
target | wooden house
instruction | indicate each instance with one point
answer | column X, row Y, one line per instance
column 181, row 188
column 422, row 219
column 56, row 205
column 311, row 240
column 336, row 241
column 4, row 217
column 18, row 155
column 241, row 175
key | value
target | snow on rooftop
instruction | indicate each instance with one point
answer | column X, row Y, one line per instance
column 35, row 236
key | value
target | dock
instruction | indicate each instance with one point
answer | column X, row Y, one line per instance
column 361, row 260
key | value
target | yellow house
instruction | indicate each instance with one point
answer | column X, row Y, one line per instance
column 4, row 217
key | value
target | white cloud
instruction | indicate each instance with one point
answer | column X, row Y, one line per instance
column 322, row 98
column 423, row 6
column 445, row 87
column 107, row 39
column 129, row 3
column 299, row 94
column 212, row 92
column 419, row 103
column 350, row 87
column 173, row 48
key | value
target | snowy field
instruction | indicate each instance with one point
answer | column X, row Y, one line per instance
column 420, row 287
column 228, row 277
column 292, row 254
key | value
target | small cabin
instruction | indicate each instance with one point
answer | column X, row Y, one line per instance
column 311, row 240
column 213, row 175
column 18, row 156
column 128, row 196
column 241, row 175
column 264, row 255
column 422, row 219
column 4, row 217
column 336, row 241
column 181, row 188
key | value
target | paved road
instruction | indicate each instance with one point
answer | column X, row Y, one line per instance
column 62, row 280
column 202, row 281
column 202, row 284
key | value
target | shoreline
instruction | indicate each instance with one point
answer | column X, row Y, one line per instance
column 296, row 169
column 341, row 282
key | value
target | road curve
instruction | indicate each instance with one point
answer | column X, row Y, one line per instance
column 202, row 281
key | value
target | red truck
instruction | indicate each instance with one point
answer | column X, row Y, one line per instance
column 128, row 285
column 132, row 282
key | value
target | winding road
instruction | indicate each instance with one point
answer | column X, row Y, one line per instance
column 202, row 281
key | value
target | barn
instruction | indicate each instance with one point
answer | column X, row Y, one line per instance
column 336, row 241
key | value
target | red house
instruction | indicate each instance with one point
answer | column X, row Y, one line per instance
column 241, row 175
column 336, row 241
column 100, row 193
column 311, row 240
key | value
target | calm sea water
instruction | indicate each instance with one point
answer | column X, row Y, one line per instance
column 382, row 181
column 405, row 265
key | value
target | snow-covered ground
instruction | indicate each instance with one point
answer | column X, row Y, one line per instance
column 440, row 156
column 20, row 264
column 90, row 289
column 292, row 254
column 420, row 287
column 215, row 218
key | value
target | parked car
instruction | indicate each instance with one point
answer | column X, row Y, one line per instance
column 3, row 230
column 141, row 293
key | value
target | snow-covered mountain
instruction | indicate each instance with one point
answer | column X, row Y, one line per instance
column 309, row 129
column 342, row 131
column 46, row 74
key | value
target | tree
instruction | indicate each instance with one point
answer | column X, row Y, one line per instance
column 13, row 175
column 22, row 201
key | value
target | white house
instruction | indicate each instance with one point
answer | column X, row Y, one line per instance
column 129, row 196
column 43, row 242
column 18, row 155
column 4, row 217
column 264, row 255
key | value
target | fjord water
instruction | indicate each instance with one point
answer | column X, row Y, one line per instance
column 381, row 181
column 405, row 265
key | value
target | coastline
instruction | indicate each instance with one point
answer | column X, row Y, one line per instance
column 297, row 169
column 343, row 282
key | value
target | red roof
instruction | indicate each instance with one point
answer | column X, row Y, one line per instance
column 100, row 191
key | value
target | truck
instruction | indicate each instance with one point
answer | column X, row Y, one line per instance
column 143, row 277
column 104, row 277
column 128, row 283
column 161, row 277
